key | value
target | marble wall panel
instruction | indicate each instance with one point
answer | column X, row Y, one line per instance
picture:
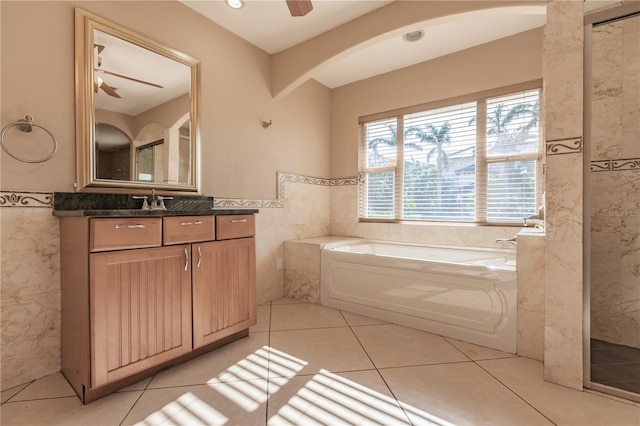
column 564, row 200
column 302, row 271
column 563, row 285
column 531, row 300
column 606, row 202
column 562, row 69
column 631, row 92
column 607, row 83
column 30, row 294
column 563, row 101
column 563, row 357
column 302, row 267
column 300, row 210
column 530, row 337
column 531, row 266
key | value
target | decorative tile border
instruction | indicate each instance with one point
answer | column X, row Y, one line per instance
column 601, row 166
column 564, row 146
column 45, row 199
column 278, row 202
column 620, row 164
column 625, row 164
column 26, row 199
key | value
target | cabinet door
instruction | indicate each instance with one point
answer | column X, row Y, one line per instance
column 224, row 289
column 140, row 310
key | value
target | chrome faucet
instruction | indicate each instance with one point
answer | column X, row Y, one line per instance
column 157, row 201
column 145, row 203
column 511, row 240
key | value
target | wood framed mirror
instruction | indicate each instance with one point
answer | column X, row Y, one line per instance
column 133, row 92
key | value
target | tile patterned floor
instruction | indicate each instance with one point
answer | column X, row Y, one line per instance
column 304, row 364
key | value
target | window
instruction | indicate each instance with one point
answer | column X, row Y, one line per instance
column 472, row 161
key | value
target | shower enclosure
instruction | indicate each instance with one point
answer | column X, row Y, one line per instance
column 612, row 201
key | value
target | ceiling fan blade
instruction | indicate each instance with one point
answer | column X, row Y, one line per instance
column 128, row 78
column 299, row 7
column 109, row 90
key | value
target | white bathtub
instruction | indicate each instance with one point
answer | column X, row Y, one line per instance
column 468, row 294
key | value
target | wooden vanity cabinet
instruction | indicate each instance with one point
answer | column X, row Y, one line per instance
column 140, row 304
column 141, row 294
column 223, row 289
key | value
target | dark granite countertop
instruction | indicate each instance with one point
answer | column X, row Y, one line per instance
column 108, row 205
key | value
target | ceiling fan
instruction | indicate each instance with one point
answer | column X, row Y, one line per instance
column 99, row 83
column 299, row 7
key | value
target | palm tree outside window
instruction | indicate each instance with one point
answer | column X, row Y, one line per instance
column 443, row 164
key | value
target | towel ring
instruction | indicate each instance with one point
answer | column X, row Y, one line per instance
column 27, row 126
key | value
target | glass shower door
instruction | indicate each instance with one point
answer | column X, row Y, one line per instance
column 613, row 82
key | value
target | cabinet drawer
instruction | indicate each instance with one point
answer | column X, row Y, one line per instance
column 235, row 226
column 124, row 233
column 188, row 229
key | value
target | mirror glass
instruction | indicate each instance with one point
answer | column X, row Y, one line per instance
column 136, row 110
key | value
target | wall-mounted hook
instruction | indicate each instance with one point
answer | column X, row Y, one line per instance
column 266, row 125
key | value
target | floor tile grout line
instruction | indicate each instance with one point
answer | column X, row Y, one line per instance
column 48, row 398
column 312, row 328
column 24, row 386
column 377, row 370
column 456, row 348
column 137, row 400
column 469, row 360
column 515, row 393
column 266, row 404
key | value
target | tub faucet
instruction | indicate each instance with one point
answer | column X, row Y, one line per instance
column 536, row 220
column 511, row 240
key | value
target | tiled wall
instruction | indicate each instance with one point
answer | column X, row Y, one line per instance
column 615, row 182
column 30, row 281
column 563, row 91
column 531, row 283
column 30, row 293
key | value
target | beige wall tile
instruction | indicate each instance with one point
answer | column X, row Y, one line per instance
column 563, row 285
column 563, row 357
column 30, row 297
column 562, row 67
column 530, row 340
column 564, row 198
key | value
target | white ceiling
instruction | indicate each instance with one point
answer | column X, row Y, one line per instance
column 268, row 25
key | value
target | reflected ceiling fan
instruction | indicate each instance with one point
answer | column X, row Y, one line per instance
column 99, row 83
column 299, row 7
column 296, row 7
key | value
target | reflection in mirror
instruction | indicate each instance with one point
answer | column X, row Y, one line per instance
column 136, row 110
column 146, row 157
column 113, row 153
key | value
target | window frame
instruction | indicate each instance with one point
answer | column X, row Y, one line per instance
column 482, row 160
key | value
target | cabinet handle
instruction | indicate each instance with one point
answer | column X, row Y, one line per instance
column 199, row 257
column 197, row 222
column 186, row 259
column 135, row 226
column 238, row 220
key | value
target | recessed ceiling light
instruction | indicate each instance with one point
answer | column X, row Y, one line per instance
column 235, row 4
column 413, row 35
